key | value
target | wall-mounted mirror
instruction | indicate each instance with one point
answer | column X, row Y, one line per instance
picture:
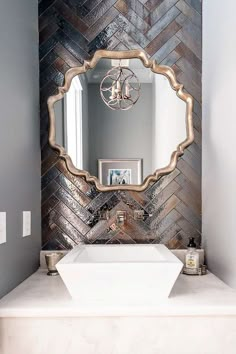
column 120, row 120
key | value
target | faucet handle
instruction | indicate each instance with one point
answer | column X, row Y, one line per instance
column 102, row 215
column 140, row 214
column 121, row 216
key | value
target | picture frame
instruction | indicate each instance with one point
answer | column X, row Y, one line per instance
column 120, row 171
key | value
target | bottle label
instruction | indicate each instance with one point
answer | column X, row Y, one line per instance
column 191, row 261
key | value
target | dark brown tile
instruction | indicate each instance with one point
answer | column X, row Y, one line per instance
column 189, row 173
column 190, row 12
column 132, row 16
column 97, row 230
column 61, row 65
column 121, row 237
column 162, row 38
column 50, row 189
column 163, row 211
column 164, row 21
column 161, row 184
column 44, row 5
column 99, row 12
column 67, row 229
column 93, row 31
column 161, row 197
column 127, row 42
column 189, row 215
column 85, row 8
column 58, row 241
column 69, row 15
column 185, row 52
column 78, row 182
column 168, row 233
column 49, row 162
column 49, row 176
column 73, row 204
column 189, row 229
column 156, row 14
column 47, row 32
column 152, row 4
column 75, row 221
column 137, row 7
column 81, row 198
column 66, row 56
column 165, row 223
column 124, row 25
column 49, row 205
column 99, row 201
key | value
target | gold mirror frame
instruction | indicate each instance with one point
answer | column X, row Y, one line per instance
column 157, row 69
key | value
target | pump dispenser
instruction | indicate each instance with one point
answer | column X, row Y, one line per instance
column 191, row 258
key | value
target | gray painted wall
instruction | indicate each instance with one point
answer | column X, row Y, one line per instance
column 19, row 139
column 219, row 142
column 133, row 129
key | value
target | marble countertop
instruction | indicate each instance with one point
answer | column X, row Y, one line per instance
column 43, row 296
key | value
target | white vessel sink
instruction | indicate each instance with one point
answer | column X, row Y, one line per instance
column 119, row 274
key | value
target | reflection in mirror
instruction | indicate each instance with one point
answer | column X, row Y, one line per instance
column 121, row 146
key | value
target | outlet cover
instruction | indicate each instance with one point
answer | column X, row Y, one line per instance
column 3, row 233
column 26, row 223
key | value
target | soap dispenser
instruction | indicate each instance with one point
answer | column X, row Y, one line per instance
column 191, row 258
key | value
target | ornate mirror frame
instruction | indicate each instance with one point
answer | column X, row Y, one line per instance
column 154, row 67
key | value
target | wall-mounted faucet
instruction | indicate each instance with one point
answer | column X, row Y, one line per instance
column 121, row 215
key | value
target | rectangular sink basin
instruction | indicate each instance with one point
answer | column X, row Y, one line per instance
column 119, row 274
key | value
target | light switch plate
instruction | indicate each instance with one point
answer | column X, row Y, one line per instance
column 3, row 233
column 26, row 223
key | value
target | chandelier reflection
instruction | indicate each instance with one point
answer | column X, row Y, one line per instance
column 120, row 88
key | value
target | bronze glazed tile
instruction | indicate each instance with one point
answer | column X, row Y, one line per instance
column 70, row 31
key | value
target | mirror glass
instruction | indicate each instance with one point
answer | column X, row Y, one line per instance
column 120, row 121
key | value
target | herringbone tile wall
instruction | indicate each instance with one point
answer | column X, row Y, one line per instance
column 170, row 32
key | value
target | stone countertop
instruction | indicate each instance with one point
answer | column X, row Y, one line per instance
column 43, row 296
